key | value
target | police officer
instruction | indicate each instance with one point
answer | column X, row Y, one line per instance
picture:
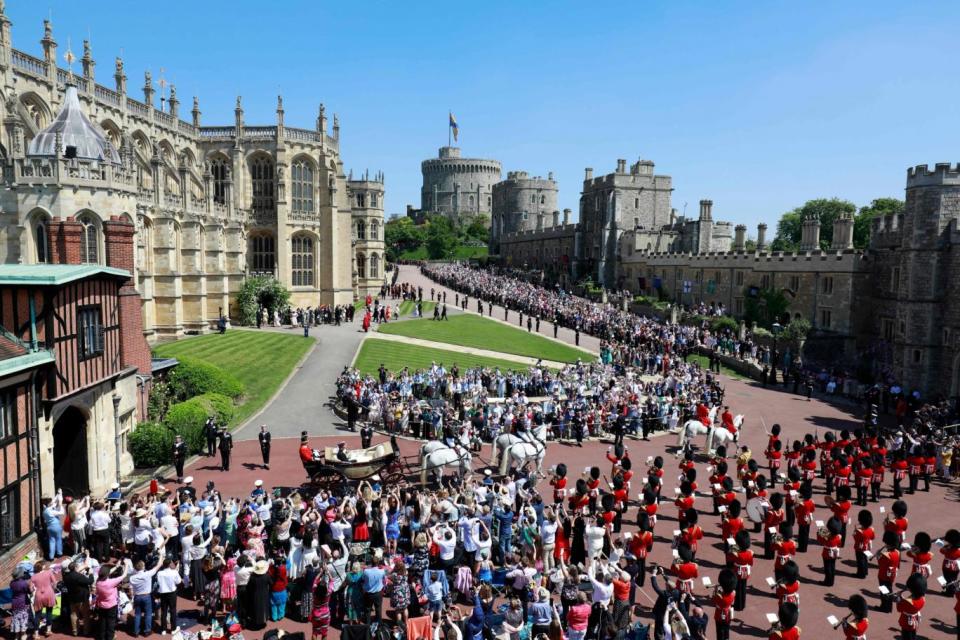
column 264, row 437
column 226, row 445
column 210, row 431
column 179, row 456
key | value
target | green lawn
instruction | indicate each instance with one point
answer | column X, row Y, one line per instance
column 406, row 308
column 397, row 355
column 469, row 330
column 261, row 360
column 704, row 363
column 461, row 252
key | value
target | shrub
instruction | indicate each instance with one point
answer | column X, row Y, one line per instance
column 217, row 405
column 150, row 444
column 724, row 323
column 195, row 377
column 187, row 419
column 760, row 332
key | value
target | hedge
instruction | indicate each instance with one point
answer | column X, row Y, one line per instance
column 723, row 323
column 150, row 444
column 194, row 377
column 217, row 405
column 187, row 419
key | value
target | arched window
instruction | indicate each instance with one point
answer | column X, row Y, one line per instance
column 361, row 265
column 201, row 249
column 374, row 265
column 303, row 261
column 302, row 173
column 146, row 245
column 543, row 199
column 361, row 230
column 220, row 172
column 40, row 238
column 471, row 201
column 374, row 230
column 264, row 253
column 176, row 241
column 261, row 177
column 89, row 240
column 533, row 198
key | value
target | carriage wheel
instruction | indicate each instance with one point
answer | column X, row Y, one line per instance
column 395, row 478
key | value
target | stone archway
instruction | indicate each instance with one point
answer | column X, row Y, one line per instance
column 70, row 468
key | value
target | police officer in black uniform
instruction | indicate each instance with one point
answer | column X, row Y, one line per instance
column 210, row 431
column 264, row 437
column 179, row 456
column 226, row 446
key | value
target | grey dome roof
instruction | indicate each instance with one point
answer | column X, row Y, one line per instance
column 75, row 131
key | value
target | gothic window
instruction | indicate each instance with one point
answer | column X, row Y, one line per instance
column 303, row 261
column 361, row 200
column 263, row 253
column 201, row 249
column 533, row 198
column 361, row 230
column 220, row 173
column 89, row 240
column 40, row 237
column 262, row 179
column 361, row 265
column 543, row 199
column 146, row 245
column 175, row 231
column 827, row 285
column 471, row 201
column 636, row 203
column 374, row 230
column 374, row 265
column 302, row 187
column 373, row 200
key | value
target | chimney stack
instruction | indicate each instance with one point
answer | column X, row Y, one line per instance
column 706, row 210
column 566, row 217
column 762, row 236
column 556, row 219
column 588, row 173
column 810, row 234
column 739, row 237
column 621, row 166
column 843, row 233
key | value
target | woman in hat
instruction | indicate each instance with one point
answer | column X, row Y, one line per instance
column 258, row 596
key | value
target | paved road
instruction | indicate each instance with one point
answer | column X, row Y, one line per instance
column 301, row 404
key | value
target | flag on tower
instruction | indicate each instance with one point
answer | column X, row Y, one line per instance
column 454, row 127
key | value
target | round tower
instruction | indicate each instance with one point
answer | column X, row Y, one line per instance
column 522, row 203
column 458, row 187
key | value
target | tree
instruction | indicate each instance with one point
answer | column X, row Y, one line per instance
column 767, row 307
column 261, row 291
column 441, row 238
column 878, row 208
column 790, row 226
column 402, row 235
column 478, row 229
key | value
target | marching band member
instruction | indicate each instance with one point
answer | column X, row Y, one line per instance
column 804, row 509
column 855, row 625
column 788, row 585
column 723, row 597
column 909, row 607
column 559, row 484
column 888, row 563
column 786, row 627
column 784, row 548
column 863, row 537
column 829, row 537
column 920, row 554
column 740, row 557
column 951, row 561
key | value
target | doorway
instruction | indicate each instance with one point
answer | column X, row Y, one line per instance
column 70, row 471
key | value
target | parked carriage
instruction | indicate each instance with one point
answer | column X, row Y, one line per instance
column 383, row 459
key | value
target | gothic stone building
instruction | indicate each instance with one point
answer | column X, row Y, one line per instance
column 210, row 204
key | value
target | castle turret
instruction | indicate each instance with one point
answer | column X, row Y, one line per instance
column 739, row 237
column 556, row 218
column 843, row 232
column 49, row 51
column 810, row 233
column 88, row 63
column 566, row 217
column 706, row 210
column 588, row 173
column 195, row 112
column 762, row 236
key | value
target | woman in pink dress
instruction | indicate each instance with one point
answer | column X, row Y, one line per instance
column 228, row 585
column 44, row 596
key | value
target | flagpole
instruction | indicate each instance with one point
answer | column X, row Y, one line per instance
column 449, row 129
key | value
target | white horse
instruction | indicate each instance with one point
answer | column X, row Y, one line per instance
column 715, row 435
column 506, row 440
column 462, row 440
column 445, row 456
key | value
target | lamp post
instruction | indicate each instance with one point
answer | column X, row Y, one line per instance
column 775, row 329
column 116, row 434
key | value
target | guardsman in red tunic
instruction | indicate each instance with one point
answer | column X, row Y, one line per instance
column 888, row 562
column 774, row 455
column 804, row 509
column 730, row 522
column 910, row 606
column 841, row 510
column 915, row 462
column 771, row 523
column 703, row 414
column 640, row 545
column 896, row 520
column 788, row 584
column 784, row 549
column 876, row 478
column 863, row 537
column 740, row 558
column 829, row 538
column 786, row 627
column 856, row 624
column 559, row 484
column 726, row 419
column 951, row 560
column 920, row 554
column 723, row 597
column 684, row 569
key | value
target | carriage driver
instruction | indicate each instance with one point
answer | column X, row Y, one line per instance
column 727, row 420
column 306, row 453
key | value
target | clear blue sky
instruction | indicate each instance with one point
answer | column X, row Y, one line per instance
column 756, row 105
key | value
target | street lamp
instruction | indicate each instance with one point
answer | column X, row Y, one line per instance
column 776, row 329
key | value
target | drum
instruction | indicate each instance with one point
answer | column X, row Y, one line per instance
column 757, row 509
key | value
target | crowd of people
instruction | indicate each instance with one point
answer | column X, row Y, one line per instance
column 496, row 555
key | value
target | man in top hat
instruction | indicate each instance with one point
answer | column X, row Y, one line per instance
column 179, row 456
column 226, row 446
column 308, row 454
column 264, row 438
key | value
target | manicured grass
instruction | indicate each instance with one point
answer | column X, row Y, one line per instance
column 406, row 308
column 469, row 330
column 397, row 355
column 261, row 360
column 461, row 252
column 704, row 363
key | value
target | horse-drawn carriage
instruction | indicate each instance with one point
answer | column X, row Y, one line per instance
column 383, row 459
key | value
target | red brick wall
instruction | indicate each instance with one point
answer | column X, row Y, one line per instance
column 65, row 241
column 118, row 240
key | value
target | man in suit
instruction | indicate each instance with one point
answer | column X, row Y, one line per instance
column 179, row 456
column 264, row 437
column 210, row 431
column 226, row 446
